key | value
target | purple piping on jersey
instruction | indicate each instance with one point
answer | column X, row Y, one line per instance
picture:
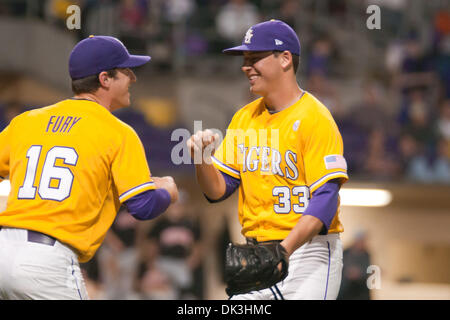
column 146, row 184
column 231, row 184
column 328, row 273
column 327, row 176
column 214, row 159
column 148, row 204
column 323, row 205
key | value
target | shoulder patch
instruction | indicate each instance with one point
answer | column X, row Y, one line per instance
column 335, row 161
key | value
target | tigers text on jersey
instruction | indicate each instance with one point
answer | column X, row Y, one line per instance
column 281, row 159
column 70, row 164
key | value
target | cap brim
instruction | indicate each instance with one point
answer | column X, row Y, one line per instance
column 239, row 50
column 134, row 61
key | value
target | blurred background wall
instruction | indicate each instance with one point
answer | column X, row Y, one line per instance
column 388, row 90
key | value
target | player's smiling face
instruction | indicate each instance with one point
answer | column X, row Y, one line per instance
column 261, row 69
column 119, row 88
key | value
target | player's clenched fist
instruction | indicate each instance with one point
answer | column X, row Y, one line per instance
column 169, row 184
column 202, row 145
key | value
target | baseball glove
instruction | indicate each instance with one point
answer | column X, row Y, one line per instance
column 254, row 267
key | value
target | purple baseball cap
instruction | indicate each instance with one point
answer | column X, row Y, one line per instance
column 101, row 53
column 273, row 35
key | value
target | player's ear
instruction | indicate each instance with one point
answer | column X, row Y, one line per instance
column 104, row 79
column 285, row 59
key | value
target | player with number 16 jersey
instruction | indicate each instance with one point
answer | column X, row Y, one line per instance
column 73, row 138
column 71, row 166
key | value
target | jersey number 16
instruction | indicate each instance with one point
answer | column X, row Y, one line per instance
column 50, row 171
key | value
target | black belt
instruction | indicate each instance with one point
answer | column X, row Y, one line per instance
column 37, row 237
column 254, row 241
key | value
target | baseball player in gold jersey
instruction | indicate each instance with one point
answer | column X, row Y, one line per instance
column 284, row 154
column 71, row 166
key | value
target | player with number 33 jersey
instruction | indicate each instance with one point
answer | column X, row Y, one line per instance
column 278, row 177
column 284, row 154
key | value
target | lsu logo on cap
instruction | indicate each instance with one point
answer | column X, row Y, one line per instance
column 248, row 36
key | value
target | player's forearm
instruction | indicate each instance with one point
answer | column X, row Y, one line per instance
column 149, row 204
column 210, row 180
column 169, row 185
column 306, row 228
column 317, row 217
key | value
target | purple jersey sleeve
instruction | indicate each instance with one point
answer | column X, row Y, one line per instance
column 149, row 204
column 324, row 203
column 231, row 184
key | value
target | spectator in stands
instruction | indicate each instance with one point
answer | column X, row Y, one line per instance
column 133, row 14
column 378, row 163
column 443, row 122
column 441, row 165
column 133, row 18
column 100, row 17
column 337, row 8
column 178, row 11
column 321, row 87
column 416, row 100
column 156, row 284
column 174, row 245
column 356, row 260
column 419, row 122
column 416, row 67
column 408, row 149
column 288, row 12
column 441, row 53
column 370, row 113
column 369, row 134
column 118, row 257
column 423, row 167
column 235, row 18
column 92, row 280
column 319, row 58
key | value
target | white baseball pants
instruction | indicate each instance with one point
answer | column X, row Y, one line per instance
column 38, row 271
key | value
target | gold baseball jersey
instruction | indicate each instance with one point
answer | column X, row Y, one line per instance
column 281, row 159
column 70, row 165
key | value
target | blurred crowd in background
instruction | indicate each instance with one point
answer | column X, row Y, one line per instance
column 400, row 128
column 396, row 129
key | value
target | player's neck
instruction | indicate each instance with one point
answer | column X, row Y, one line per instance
column 283, row 97
column 95, row 98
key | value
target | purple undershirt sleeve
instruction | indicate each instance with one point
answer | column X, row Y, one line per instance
column 149, row 204
column 323, row 204
column 231, row 184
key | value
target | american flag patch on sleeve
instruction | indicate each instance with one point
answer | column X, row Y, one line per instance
column 335, row 161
